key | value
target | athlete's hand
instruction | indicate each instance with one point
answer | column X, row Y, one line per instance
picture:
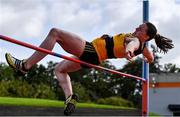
column 129, row 55
column 145, row 59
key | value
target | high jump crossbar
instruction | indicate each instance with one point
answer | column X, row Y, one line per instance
column 67, row 58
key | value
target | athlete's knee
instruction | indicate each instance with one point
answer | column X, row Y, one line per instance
column 59, row 68
column 60, row 73
column 54, row 32
column 57, row 34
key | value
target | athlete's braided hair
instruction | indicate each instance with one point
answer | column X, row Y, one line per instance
column 163, row 43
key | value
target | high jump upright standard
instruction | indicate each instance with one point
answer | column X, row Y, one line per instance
column 145, row 74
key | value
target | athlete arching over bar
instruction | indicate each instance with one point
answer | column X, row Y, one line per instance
column 101, row 48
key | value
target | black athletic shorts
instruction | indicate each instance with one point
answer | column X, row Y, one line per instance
column 89, row 55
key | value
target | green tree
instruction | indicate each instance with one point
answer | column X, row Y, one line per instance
column 155, row 67
column 6, row 73
column 171, row 68
column 130, row 86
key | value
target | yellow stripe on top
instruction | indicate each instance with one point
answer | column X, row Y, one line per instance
column 118, row 49
column 100, row 46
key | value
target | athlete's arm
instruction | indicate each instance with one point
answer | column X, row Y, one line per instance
column 132, row 44
column 148, row 55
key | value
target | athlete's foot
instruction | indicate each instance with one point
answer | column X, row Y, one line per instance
column 15, row 63
column 70, row 104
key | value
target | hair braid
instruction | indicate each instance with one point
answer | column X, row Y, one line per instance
column 163, row 43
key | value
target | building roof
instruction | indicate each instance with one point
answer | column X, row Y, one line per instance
column 164, row 77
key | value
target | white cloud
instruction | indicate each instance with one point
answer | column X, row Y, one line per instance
column 75, row 17
column 166, row 17
column 176, row 60
column 30, row 20
column 122, row 16
column 25, row 19
column 162, row 11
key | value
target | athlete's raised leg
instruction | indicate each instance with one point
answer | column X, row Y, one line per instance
column 70, row 42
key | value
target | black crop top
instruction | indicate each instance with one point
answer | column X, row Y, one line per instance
column 140, row 49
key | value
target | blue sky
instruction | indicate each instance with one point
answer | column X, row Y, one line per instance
column 31, row 20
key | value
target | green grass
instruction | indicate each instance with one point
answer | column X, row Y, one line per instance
column 30, row 102
column 154, row 114
column 50, row 103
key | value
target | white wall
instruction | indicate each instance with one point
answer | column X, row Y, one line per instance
column 160, row 98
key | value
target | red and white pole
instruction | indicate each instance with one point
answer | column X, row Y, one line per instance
column 66, row 57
